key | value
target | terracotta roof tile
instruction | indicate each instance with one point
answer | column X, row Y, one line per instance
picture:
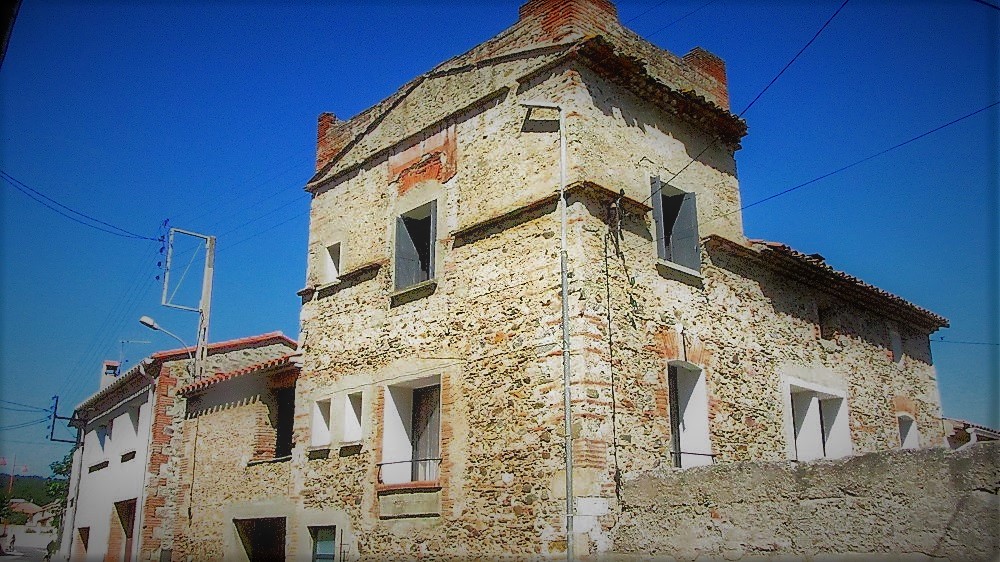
column 172, row 354
column 240, row 342
column 217, row 378
column 818, row 261
column 815, row 267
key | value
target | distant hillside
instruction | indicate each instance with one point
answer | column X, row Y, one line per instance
column 31, row 488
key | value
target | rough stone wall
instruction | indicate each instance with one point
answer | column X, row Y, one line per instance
column 488, row 324
column 220, row 437
column 160, row 510
column 490, row 327
column 890, row 505
column 489, row 331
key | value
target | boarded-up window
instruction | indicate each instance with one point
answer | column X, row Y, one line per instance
column 895, row 344
column 416, row 232
column 676, row 219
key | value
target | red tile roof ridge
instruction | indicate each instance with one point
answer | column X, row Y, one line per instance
column 817, row 260
column 162, row 356
column 219, row 377
column 817, row 263
column 248, row 340
column 971, row 424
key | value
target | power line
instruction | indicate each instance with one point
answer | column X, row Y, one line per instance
column 942, row 340
column 43, row 199
column 37, row 408
column 984, row 3
column 758, row 96
column 24, row 424
column 797, row 55
column 678, row 20
column 25, row 410
column 655, row 6
column 837, row 171
column 865, row 159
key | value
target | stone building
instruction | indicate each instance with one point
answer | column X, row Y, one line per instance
column 430, row 404
column 235, row 492
column 124, row 475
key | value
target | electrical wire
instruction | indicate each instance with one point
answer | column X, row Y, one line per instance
column 22, row 425
column 942, row 340
column 867, row 158
column 43, row 199
column 985, row 3
column 678, row 20
column 758, row 96
column 38, row 408
column 655, row 6
column 838, row 170
column 24, row 410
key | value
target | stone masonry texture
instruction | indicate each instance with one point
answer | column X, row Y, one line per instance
column 487, row 325
column 927, row 504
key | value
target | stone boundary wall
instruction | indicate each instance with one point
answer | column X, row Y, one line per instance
column 930, row 503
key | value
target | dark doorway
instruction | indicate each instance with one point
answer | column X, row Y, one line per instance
column 263, row 539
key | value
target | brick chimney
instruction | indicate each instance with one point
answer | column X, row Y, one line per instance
column 327, row 140
column 559, row 18
column 711, row 67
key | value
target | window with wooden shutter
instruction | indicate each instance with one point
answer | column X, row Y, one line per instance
column 676, row 220
column 416, row 232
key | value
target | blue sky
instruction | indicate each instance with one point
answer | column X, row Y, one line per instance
column 204, row 113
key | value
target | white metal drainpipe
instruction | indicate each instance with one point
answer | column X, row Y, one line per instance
column 564, row 278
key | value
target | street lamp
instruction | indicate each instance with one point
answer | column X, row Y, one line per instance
column 152, row 325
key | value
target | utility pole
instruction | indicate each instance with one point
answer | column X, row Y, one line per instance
column 56, row 416
column 204, row 308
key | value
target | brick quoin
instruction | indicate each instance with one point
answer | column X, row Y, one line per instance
column 165, row 384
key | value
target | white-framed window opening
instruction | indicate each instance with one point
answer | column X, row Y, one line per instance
column 330, row 264
column 416, row 232
column 411, row 449
column 320, row 433
column 675, row 219
column 324, row 543
column 691, row 443
column 351, row 433
column 909, row 434
column 819, row 422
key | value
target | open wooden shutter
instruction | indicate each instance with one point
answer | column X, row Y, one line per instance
column 659, row 234
column 684, row 240
column 433, row 240
column 407, row 269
